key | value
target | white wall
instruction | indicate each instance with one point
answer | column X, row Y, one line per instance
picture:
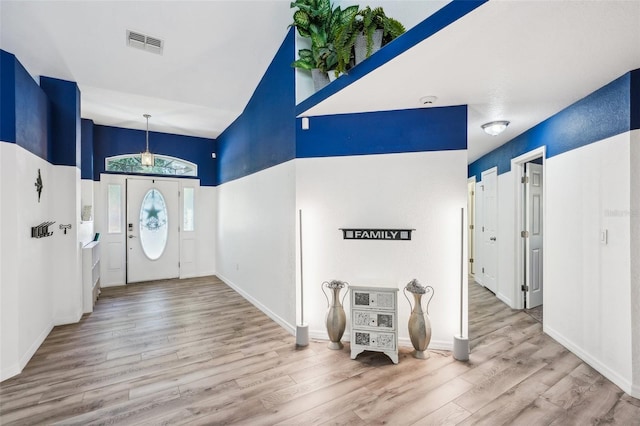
column 26, row 281
column 64, row 190
column 587, row 283
column 256, row 240
column 424, row 191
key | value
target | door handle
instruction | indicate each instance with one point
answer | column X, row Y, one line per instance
column 132, row 236
column 492, row 238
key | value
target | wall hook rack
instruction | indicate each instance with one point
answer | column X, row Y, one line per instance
column 65, row 227
column 42, row 230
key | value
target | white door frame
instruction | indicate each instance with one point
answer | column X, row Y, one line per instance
column 115, row 253
column 471, row 220
column 517, row 166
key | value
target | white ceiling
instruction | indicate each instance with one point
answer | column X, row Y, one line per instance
column 517, row 60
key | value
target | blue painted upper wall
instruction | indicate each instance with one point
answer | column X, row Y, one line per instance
column 7, row 97
column 24, row 109
column 86, row 161
column 609, row 111
column 383, row 132
column 65, row 130
column 264, row 134
column 109, row 141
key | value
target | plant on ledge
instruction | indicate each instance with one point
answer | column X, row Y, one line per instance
column 331, row 32
column 368, row 22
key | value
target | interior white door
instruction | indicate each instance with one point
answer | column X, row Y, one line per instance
column 534, row 229
column 153, row 243
column 490, row 229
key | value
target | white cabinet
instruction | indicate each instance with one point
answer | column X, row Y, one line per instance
column 374, row 315
column 90, row 275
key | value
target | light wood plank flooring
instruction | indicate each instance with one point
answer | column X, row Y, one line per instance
column 195, row 352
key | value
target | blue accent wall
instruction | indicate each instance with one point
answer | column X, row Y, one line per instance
column 426, row 129
column 7, row 97
column 86, row 161
column 604, row 113
column 635, row 100
column 264, row 134
column 109, row 141
column 65, row 136
column 24, row 119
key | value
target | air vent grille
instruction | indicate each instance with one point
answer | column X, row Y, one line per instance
column 144, row 42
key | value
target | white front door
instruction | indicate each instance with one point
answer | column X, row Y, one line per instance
column 152, row 228
column 490, row 229
column 533, row 243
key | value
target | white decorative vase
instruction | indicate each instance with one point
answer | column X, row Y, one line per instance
column 336, row 320
column 419, row 323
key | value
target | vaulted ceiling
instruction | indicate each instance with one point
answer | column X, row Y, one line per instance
column 521, row 61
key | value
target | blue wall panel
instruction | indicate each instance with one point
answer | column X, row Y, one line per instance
column 7, row 97
column 635, row 100
column 109, row 141
column 426, row 129
column 86, row 163
column 65, row 135
column 602, row 114
column 31, row 114
column 264, row 134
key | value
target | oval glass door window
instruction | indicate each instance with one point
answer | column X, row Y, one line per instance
column 154, row 228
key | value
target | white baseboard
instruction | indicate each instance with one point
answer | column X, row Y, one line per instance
column 622, row 382
column 71, row 319
column 9, row 372
column 506, row 300
column 291, row 328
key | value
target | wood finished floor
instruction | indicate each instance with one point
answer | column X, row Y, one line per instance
column 195, row 352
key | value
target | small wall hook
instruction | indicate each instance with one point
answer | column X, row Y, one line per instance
column 65, row 227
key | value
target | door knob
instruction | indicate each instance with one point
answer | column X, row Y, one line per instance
column 492, row 238
column 132, row 236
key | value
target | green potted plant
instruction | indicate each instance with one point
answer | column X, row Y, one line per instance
column 332, row 36
column 375, row 29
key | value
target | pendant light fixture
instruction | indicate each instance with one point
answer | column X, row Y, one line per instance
column 146, row 158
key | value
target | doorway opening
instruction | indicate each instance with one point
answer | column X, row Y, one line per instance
column 529, row 172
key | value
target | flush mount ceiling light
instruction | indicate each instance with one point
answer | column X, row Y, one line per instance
column 494, row 128
column 146, row 158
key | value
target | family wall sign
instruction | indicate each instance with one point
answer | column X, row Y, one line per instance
column 376, row 234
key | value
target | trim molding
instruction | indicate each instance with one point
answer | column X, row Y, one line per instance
column 603, row 369
column 16, row 369
column 291, row 329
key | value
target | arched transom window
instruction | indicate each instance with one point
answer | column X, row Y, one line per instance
column 164, row 165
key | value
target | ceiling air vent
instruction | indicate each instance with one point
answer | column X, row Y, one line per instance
column 144, row 42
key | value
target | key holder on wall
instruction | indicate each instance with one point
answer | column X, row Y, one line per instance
column 42, row 230
column 65, row 227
